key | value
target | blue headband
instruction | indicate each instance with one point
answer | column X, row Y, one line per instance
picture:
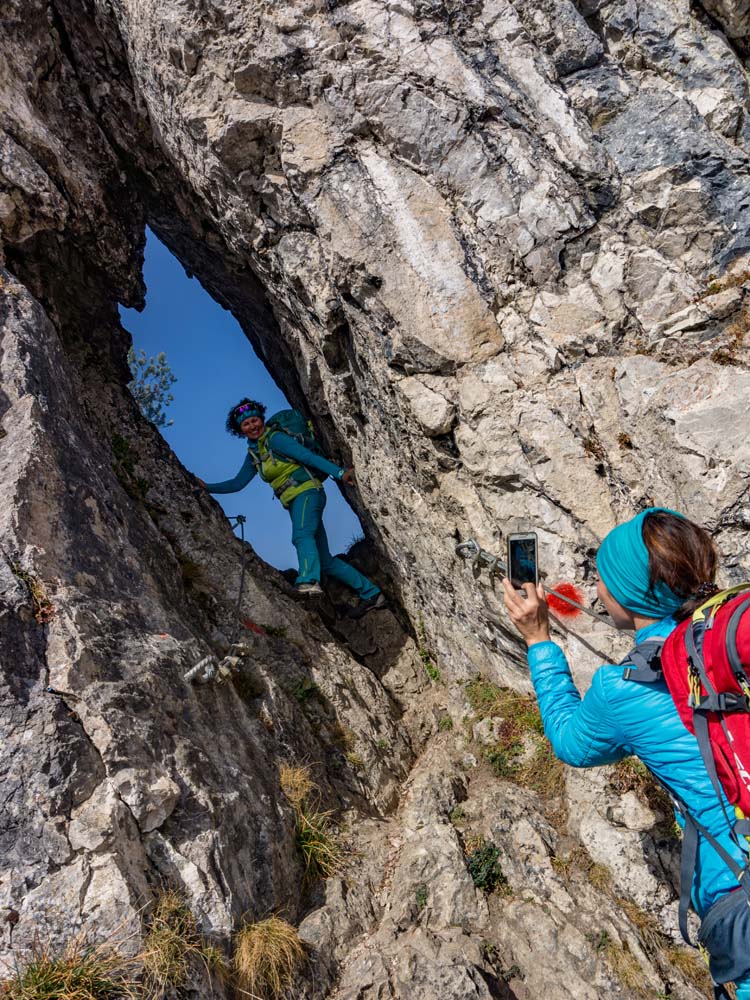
column 622, row 561
column 243, row 412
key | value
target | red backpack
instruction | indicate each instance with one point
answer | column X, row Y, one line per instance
column 705, row 662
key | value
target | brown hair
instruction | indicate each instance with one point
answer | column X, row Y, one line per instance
column 682, row 555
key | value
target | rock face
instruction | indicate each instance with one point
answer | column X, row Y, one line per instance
column 499, row 251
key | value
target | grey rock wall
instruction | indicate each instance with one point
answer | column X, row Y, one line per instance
column 499, row 250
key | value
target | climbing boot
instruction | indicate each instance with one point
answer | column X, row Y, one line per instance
column 309, row 589
column 376, row 603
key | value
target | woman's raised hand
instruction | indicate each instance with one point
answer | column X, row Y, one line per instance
column 348, row 477
column 529, row 614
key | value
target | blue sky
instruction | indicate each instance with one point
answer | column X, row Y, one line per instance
column 216, row 366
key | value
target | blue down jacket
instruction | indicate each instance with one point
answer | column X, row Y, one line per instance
column 618, row 718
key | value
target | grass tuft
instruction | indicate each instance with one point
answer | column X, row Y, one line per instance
column 268, row 955
column 315, row 833
column 78, row 971
column 522, row 753
column 172, row 945
column 296, row 783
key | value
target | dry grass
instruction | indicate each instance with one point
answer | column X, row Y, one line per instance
column 522, row 753
column 173, row 944
column 579, row 861
column 43, row 608
column 626, row 968
column 296, row 783
column 267, row 956
column 315, row 833
column 691, row 967
column 78, row 971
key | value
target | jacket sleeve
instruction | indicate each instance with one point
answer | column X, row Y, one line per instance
column 286, row 446
column 240, row 481
column 582, row 732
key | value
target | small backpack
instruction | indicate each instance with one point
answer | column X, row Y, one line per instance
column 293, row 423
column 705, row 663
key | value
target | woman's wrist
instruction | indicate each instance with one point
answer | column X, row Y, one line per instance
column 541, row 636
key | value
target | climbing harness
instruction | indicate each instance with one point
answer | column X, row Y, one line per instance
column 211, row 668
column 481, row 557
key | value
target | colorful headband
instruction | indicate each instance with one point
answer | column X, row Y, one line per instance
column 248, row 410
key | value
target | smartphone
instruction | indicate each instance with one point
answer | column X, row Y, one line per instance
column 523, row 562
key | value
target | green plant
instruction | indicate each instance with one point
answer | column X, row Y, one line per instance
column 420, row 896
column 484, row 867
column 457, row 816
column 43, row 608
column 173, row 943
column 268, row 954
column 424, row 651
column 275, row 631
column 124, row 468
column 151, row 384
column 304, row 690
column 445, row 723
column 599, row 941
column 79, row 970
column 354, row 758
column 382, row 744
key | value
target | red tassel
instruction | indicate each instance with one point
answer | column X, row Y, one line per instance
column 561, row 607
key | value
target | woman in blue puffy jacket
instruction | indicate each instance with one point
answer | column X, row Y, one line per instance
column 654, row 571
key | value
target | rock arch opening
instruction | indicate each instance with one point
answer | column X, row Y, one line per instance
column 215, row 365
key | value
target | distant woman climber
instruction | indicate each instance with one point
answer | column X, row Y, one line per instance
column 654, row 572
column 282, row 452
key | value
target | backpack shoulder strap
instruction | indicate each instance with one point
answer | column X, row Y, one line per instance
column 643, row 662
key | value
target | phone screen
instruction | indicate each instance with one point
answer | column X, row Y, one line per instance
column 522, row 559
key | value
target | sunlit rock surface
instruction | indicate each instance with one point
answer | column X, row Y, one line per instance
column 499, row 251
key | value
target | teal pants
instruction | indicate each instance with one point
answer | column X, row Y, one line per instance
column 310, row 541
column 743, row 988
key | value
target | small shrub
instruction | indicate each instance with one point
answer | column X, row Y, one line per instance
column 79, row 971
column 354, row 759
column 484, row 867
column 268, row 954
column 445, row 723
column 421, row 896
column 382, row 744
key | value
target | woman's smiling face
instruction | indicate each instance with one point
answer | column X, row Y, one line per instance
column 252, row 428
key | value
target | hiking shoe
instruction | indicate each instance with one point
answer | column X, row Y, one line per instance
column 376, row 603
column 308, row 588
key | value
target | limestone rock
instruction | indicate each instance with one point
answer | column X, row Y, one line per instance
column 498, row 250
